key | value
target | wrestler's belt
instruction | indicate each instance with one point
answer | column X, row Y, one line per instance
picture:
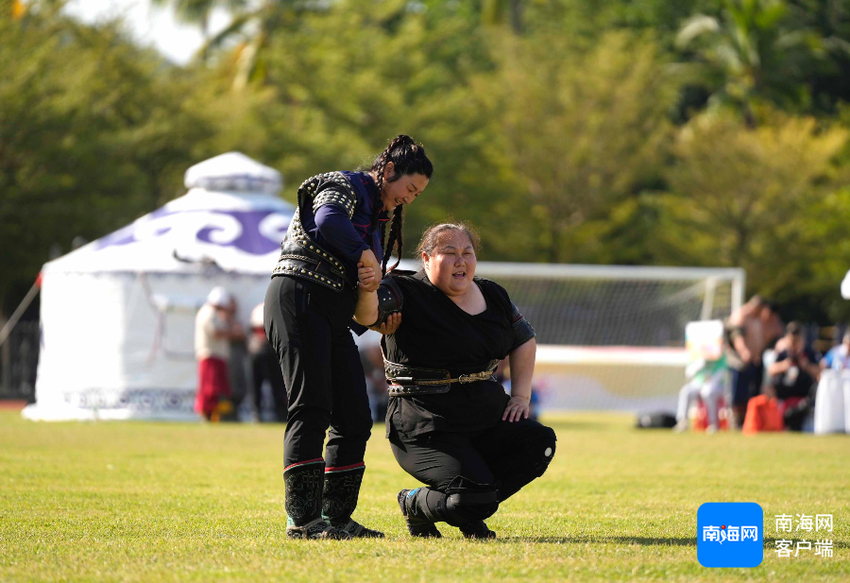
column 411, row 381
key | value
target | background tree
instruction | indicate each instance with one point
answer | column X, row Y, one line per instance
column 753, row 52
column 829, row 81
column 755, row 199
column 496, row 12
column 93, row 134
column 584, row 132
column 580, row 139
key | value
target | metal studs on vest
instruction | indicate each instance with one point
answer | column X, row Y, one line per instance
column 300, row 255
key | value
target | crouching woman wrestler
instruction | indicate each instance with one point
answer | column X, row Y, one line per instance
column 450, row 424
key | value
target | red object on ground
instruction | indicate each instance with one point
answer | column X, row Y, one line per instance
column 701, row 419
column 213, row 385
column 12, row 404
column 763, row 414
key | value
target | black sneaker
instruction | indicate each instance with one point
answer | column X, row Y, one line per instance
column 357, row 530
column 316, row 529
column 477, row 531
column 421, row 527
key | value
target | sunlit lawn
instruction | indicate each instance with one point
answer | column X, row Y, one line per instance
column 140, row 501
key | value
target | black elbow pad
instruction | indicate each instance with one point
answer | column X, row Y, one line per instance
column 390, row 300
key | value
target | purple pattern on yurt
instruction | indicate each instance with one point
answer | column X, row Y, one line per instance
column 249, row 240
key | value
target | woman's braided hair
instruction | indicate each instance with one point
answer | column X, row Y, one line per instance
column 407, row 157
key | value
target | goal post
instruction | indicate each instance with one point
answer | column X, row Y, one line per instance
column 613, row 337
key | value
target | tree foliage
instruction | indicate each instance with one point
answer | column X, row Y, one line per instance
column 92, row 133
column 582, row 135
column 754, row 198
column 566, row 130
column 754, row 52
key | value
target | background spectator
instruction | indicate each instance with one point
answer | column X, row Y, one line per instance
column 237, row 361
column 708, row 384
column 838, row 357
column 748, row 332
column 793, row 377
column 739, row 333
column 214, row 329
column 264, row 367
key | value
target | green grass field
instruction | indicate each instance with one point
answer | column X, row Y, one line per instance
column 190, row 502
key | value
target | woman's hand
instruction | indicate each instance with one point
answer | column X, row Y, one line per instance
column 366, row 277
column 367, row 271
column 516, row 410
column 390, row 326
column 522, row 369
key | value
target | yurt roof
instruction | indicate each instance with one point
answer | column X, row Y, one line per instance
column 231, row 219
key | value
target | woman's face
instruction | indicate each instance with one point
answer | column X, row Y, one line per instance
column 403, row 190
column 451, row 264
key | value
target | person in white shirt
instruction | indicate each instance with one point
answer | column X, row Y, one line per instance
column 214, row 328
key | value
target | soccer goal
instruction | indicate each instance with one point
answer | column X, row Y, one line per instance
column 613, row 337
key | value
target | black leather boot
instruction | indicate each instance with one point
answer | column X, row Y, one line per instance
column 418, row 522
column 339, row 499
column 303, row 500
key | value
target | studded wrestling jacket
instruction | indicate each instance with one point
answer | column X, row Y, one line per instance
column 301, row 256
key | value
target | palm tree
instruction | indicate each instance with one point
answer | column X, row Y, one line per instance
column 751, row 53
column 199, row 12
column 256, row 26
column 252, row 22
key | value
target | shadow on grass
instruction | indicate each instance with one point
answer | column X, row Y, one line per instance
column 769, row 543
column 628, row 540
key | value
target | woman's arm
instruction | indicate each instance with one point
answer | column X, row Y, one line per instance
column 366, row 309
column 381, row 309
column 368, row 269
column 332, row 212
column 522, row 370
column 334, row 224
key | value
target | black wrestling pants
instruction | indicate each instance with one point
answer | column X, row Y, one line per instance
column 507, row 456
column 307, row 325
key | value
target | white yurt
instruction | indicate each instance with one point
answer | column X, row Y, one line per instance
column 117, row 315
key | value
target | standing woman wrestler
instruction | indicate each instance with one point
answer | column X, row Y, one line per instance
column 449, row 422
column 339, row 223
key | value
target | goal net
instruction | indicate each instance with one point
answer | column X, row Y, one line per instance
column 613, row 337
